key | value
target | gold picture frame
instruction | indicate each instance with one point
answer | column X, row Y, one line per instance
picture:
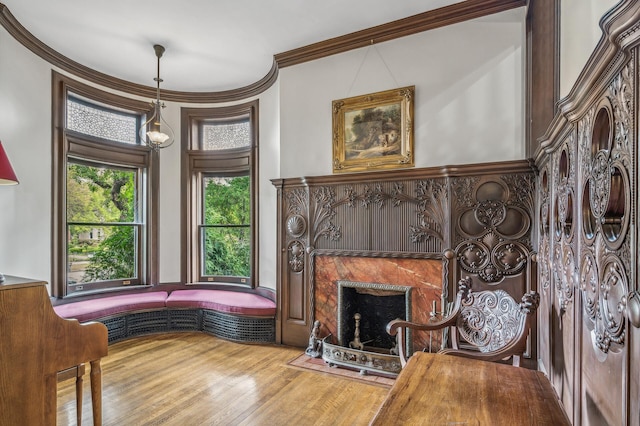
column 374, row 131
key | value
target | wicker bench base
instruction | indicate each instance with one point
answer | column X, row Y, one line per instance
column 227, row 326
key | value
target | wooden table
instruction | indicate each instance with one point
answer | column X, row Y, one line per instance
column 437, row 389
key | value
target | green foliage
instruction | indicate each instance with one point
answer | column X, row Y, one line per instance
column 227, row 200
column 227, row 250
column 96, row 194
column 115, row 257
column 99, row 195
column 103, row 195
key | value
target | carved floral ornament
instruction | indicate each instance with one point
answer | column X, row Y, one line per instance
column 564, row 274
column 296, row 256
column 492, row 227
column 544, row 246
column 490, row 320
column 605, row 301
column 431, row 200
column 543, row 262
column 606, row 217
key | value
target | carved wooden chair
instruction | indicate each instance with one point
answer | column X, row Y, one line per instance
column 490, row 321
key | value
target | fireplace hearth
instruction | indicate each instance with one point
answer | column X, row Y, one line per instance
column 364, row 310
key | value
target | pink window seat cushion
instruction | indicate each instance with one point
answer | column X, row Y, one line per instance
column 223, row 301
column 88, row 310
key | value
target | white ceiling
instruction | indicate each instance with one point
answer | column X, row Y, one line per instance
column 211, row 45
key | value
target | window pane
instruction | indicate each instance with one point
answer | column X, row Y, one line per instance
column 227, row 200
column 101, row 122
column 98, row 248
column 217, row 136
column 101, row 253
column 100, row 194
column 226, row 244
column 226, row 251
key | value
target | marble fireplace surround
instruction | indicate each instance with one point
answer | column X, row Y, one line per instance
column 426, row 274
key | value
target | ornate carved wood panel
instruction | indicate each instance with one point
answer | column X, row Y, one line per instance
column 481, row 216
column 587, row 236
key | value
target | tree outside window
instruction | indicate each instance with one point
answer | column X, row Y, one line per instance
column 226, row 233
column 101, row 238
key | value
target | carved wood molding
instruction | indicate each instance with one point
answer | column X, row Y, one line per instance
column 55, row 58
column 444, row 16
column 377, row 254
column 501, row 167
column 437, row 18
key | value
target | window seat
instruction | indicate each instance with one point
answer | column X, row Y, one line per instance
column 232, row 302
column 91, row 310
column 237, row 316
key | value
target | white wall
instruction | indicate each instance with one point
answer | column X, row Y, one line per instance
column 269, row 169
column 469, row 80
column 579, row 34
column 25, row 132
column 25, row 213
column 469, row 97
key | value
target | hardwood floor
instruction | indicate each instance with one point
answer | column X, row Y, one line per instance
column 196, row 379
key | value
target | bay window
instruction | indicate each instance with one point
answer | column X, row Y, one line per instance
column 104, row 212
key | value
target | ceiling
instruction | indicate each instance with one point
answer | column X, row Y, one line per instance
column 211, row 45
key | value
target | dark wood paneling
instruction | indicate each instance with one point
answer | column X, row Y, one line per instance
column 543, row 67
column 480, row 216
column 587, row 236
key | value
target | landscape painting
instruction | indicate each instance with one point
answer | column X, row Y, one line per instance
column 373, row 131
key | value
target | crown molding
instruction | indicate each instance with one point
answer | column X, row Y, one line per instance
column 436, row 18
column 55, row 58
column 441, row 17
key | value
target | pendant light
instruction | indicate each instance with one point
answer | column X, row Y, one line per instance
column 155, row 132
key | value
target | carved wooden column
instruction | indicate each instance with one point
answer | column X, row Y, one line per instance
column 293, row 322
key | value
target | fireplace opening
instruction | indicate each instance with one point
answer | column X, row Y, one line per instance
column 376, row 305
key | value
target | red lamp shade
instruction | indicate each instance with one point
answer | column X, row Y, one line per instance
column 7, row 175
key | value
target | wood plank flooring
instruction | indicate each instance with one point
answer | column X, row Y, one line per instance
column 195, row 379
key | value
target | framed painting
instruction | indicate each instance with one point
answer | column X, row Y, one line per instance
column 374, row 131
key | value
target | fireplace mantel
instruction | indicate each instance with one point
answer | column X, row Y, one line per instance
column 430, row 225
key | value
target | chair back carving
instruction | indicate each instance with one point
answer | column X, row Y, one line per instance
column 490, row 321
